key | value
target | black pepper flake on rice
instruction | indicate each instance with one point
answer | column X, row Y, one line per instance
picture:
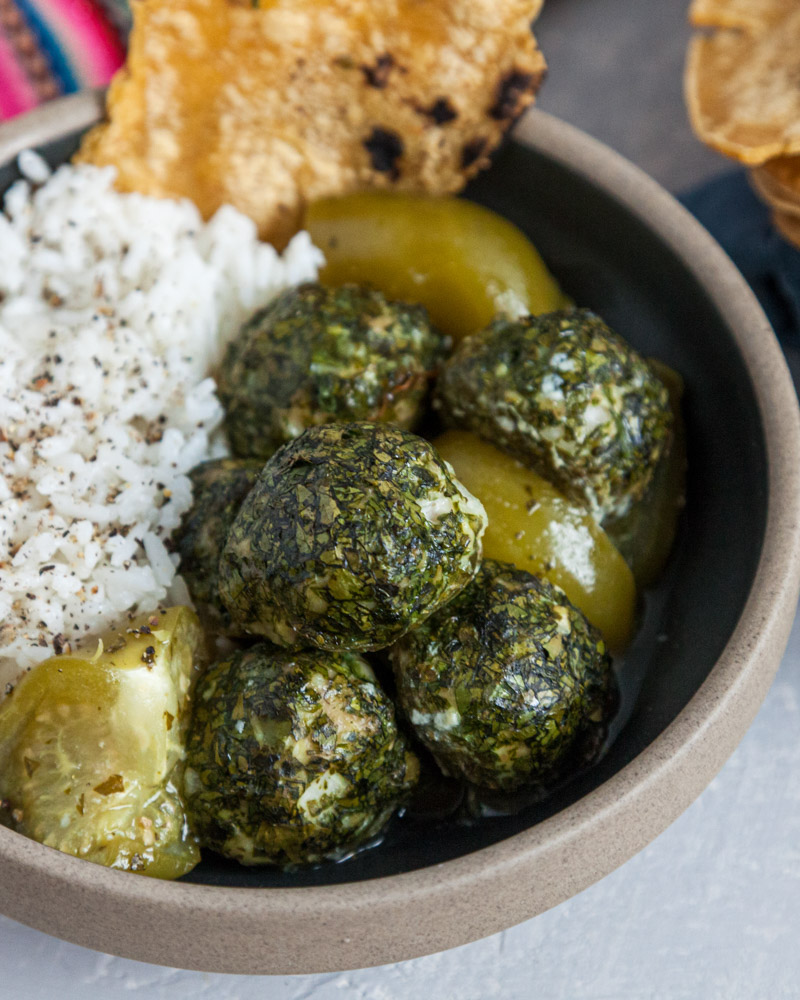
column 472, row 152
column 61, row 644
column 510, row 92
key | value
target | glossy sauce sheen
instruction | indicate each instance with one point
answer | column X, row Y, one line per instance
column 462, row 262
column 535, row 527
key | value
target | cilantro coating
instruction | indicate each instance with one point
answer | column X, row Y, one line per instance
column 293, row 757
column 218, row 489
column 507, row 683
column 319, row 355
column 566, row 395
column 352, row 534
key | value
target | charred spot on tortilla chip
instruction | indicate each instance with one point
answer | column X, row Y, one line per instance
column 513, row 88
column 472, row 152
column 441, row 111
column 385, row 148
column 378, row 75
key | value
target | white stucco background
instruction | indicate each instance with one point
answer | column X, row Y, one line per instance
column 711, row 909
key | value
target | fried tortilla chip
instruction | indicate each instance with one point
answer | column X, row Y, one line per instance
column 788, row 226
column 748, row 15
column 771, row 197
column 268, row 107
column 742, row 83
column 784, row 174
column 778, row 183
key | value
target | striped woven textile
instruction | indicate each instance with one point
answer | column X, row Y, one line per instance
column 54, row 47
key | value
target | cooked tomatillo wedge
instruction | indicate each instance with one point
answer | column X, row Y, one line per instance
column 293, row 757
column 463, row 262
column 91, row 749
column 508, row 685
column 535, row 527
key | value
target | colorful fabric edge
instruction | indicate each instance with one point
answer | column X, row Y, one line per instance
column 52, row 47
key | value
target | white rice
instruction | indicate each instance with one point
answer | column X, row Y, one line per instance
column 114, row 308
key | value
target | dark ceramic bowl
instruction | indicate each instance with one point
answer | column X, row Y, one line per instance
column 709, row 644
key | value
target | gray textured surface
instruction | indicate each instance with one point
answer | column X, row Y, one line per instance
column 616, row 71
column 710, row 909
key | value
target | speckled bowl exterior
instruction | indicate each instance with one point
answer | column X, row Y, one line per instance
column 325, row 927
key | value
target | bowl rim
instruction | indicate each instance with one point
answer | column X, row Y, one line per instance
column 387, row 919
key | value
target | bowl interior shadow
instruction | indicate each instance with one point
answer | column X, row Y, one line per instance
column 605, row 258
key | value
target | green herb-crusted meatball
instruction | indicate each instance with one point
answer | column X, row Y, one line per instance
column 218, row 489
column 564, row 394
column 352, row 534
column 293, row 757
column 507, row 683
column 319, row 355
